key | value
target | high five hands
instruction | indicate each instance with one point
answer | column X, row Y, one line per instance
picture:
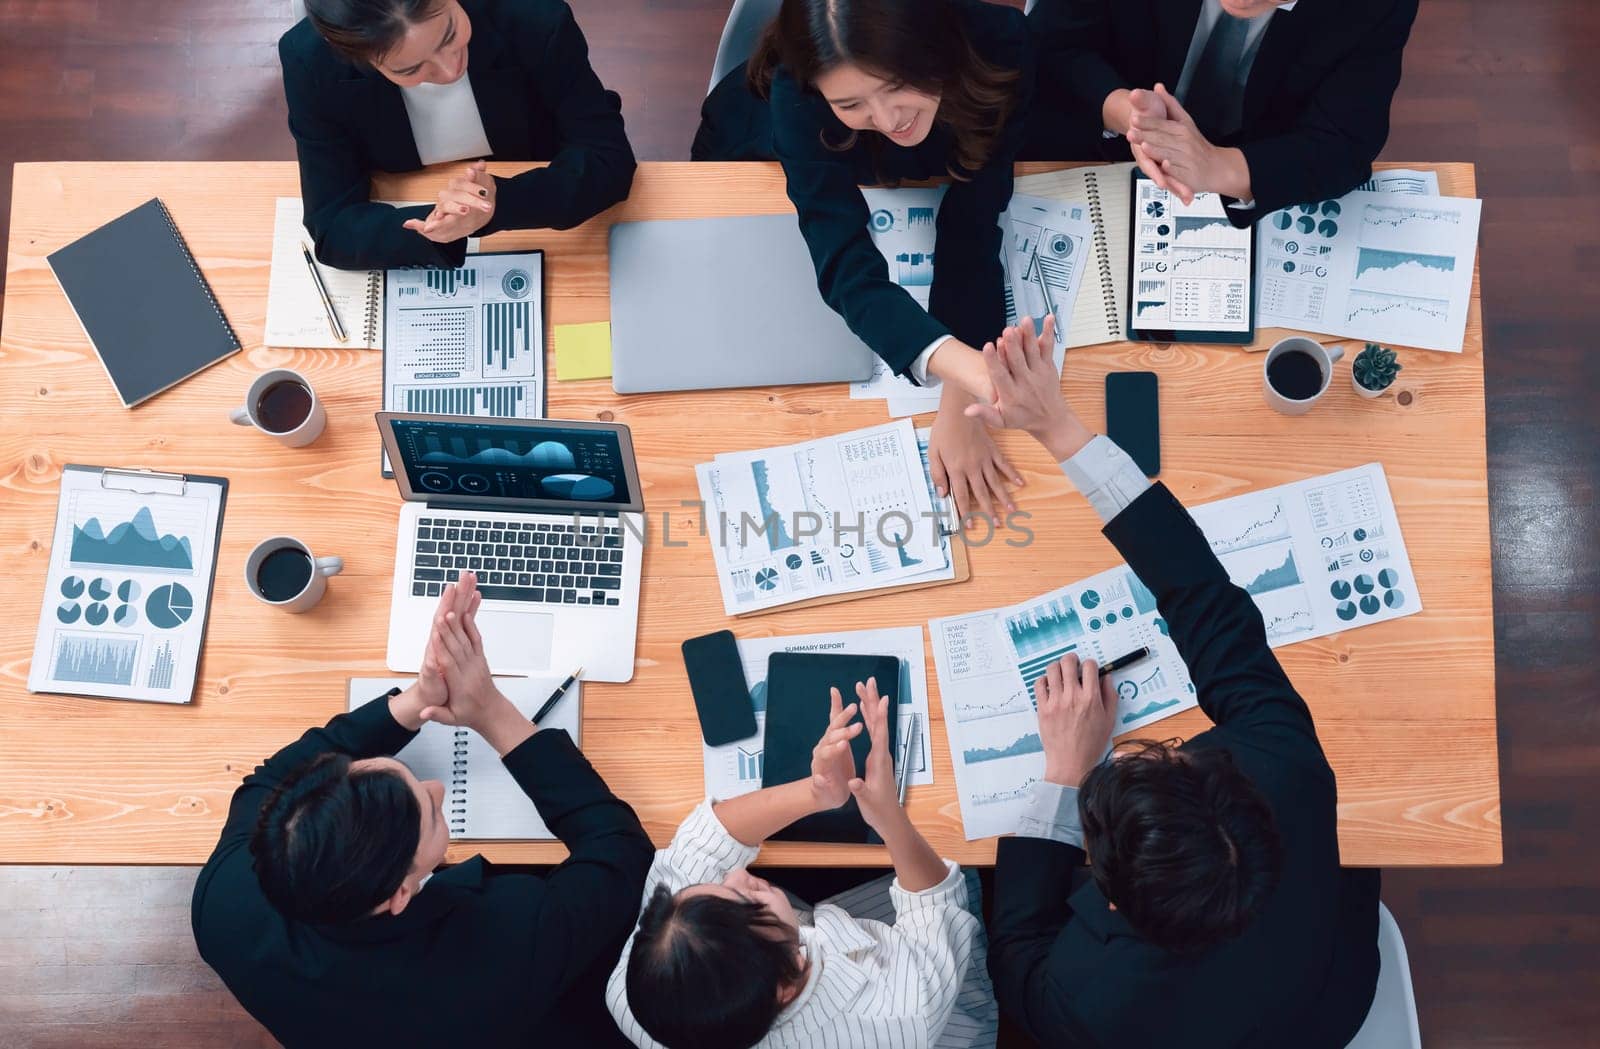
column 1028, row 390
column 464, row 207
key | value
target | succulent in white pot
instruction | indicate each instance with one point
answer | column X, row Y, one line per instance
column 1374, row 370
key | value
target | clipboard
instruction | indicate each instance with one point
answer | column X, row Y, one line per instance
column 129, row 585
column 958, row 557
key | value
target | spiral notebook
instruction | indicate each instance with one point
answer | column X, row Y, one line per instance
column 1106, row 189
column 295, row 315
column 481, row 798
column 143, row 302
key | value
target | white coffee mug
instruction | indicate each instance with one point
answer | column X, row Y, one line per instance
column 1322, row 355
column 310, row 592
column 299, row 435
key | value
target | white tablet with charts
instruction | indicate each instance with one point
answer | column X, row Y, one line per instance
column 1191, row 271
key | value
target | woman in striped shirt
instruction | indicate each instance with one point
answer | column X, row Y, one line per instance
column 722, row 960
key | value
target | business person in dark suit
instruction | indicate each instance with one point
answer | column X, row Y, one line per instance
column 393, row 85
column 1262, row 101
column 1214, row 911
column 320, row 910
column 846, row 93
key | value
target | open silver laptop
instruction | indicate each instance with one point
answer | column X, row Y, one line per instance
column 548, row 514
column 705, row 304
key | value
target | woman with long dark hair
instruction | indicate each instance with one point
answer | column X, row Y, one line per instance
column 847, row 93
column 393, row 85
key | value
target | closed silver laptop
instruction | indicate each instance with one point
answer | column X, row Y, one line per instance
column 704, row 304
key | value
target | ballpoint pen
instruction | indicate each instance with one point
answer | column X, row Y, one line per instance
column 322, row 290
column 555, row 697
column 905, row 760
column 1124, row 661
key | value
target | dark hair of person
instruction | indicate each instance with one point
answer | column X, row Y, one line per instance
column 363, row 31
column 1181, row 843
column 919, row 43
column 331, row 844
column 705, row 970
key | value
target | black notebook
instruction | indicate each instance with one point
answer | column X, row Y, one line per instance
column 143, row 302
column 797, row 716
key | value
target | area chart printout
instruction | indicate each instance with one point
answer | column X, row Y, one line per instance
column 835, row 515
column 735, row 768
column 1317, row 557
column 1393, row 267
column 129, row 582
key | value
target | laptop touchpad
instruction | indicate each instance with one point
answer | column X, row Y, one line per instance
column 516, row 641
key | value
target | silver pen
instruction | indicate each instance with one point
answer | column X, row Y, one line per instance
column 322, row 290
column 905, row 759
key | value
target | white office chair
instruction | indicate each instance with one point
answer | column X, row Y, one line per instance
column 1392, row 1021
column 745, row 22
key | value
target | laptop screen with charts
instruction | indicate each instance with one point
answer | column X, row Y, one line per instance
column 525, row 465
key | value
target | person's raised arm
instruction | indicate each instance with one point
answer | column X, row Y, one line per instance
column 1216, row 627
column 917, row 867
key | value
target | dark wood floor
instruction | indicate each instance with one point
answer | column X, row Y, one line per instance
column 1502, row 957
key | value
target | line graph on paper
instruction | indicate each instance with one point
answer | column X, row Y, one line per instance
column 1210, row 262
column 1255, row 523
column 1390, row 217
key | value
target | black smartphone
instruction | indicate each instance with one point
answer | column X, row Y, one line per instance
column 721, row 696
column 1133, row 417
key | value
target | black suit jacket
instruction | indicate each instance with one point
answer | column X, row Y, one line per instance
column 479, row 957
column 967, row 299
column 1316, row 106
column 1074, row 973
column 538, row 98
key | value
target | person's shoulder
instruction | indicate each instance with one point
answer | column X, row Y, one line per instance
column 522, row 19
column 303, row 45
column 998, row 32
column 1360, row 15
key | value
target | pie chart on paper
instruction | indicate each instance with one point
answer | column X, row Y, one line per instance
column 169, row 607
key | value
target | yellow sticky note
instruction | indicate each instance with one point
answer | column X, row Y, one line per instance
column 583, row 351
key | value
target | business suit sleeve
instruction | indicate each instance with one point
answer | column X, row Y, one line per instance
column 348, row 229
column 1216, row 627
column 1074, row 44
column 969, row 282
column 851, row 274
column 1342, row 129
column 1031, row 908
column 594, row 167
column 592, row 898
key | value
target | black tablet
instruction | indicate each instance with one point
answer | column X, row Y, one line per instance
column 1191, row 272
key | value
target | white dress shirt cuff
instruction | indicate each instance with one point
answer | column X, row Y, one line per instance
column 1052, row 814
column 1106, row 476
column 1243, row 205
column 952, row 892
column 919, row 367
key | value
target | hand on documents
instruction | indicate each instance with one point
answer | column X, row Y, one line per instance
column 1077, row 708
column 465, row 206
column 1028, row 390
column 966, row 464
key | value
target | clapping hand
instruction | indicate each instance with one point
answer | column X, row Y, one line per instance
column 455, row 654
column 1184, row 161
column 1147, row 109
column 1028, row 390
column 464, row 207
column 833, row 765
column 878, row 792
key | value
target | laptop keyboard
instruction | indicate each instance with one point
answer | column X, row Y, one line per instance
column 531, row 560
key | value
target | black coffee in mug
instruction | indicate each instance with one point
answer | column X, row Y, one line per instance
column 1296, row 375
column 283, row 573
column 283, row 406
